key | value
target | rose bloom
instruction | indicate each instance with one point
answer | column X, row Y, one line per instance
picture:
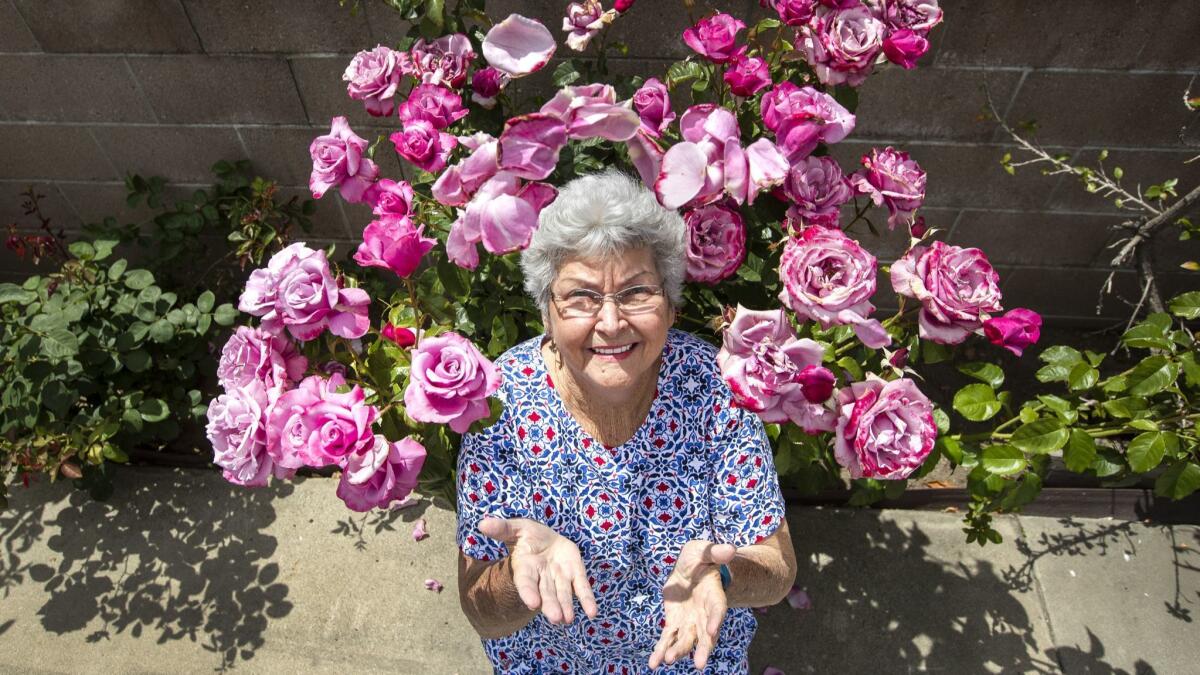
column 885, row 430
column 713, row 37
column 802, row 117
column 237, row 430
column 380, row 474
column 252, row 354
column 957, row 288
column 443, row 61
column 374, row 76
column 916, row 15
column 623, row 5
column 486, row 84
column 338, row 161
column 422, row 144
column 716, row 242
column 449, row 382
column 653, row 105
column 827, row 277
column 502, row 215
column 794, row 13
column 438, row 105
column 394, row 244
column 315, row 425
column 583, row 21
column 904, row 47
column 775, row 374
column 297, row 291
column 390, row 198
column 890, row 178
column 747, row 76
column 400, row 335
column 1017, row 329
column 842, row 45
column 817, row 188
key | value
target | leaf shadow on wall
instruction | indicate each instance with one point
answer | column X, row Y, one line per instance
column 159, row 560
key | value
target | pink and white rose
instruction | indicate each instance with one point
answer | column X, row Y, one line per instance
column 916, row 15
column 460, row 182
column 339, row 162
column 395, row 244
column 583, row 21
column 502, row 216
column 237, row 430
column 885, row 430
column 317, row 425
column 373, row 78
column 592, row 110
column 957, row 289
column 842, row 45
column 297, row 291
column 256, row 355
column 450, row 382
column 794, row 13
column 716, row 242
column 442, row 61
column 892, row 179
column 381, row 473
column 713, row 37
column 802, row 117
column 486, row 85
column 816, row 188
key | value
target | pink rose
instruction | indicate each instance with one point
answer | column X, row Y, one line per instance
column 502, row 216
column 802, row 117
column 380, row 474
column 713, row 37
column 893, row 180
column 255, row 355
column 794, row 13
column 904, row 47
column 394, row 244
column 817, row 188
column 518, row 46
column 583, row 21
column 885, row 430
column 716, row 244
column 338, row 161
column 400, row 335
column 747, row 75
column 449, row 382
column 433, row 103
column 842, row 45
column 422, row 144
column 297, row 291
column 592, row 110
column 827, row 277
column 623, row 6
column 389, row 198
column 916, row 15
column 653, row 105
column 374, row 77
column 460, row 182
column 775, row 374
column 486, row 84
column 237, row 429
column 529, row 145
column 443, row 61
column 1017, row 329
column 315, row 425
column 957, row 288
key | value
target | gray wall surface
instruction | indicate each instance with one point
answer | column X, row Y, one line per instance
column 93, row 89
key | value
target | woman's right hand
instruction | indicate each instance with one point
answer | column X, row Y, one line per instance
column 547, row 569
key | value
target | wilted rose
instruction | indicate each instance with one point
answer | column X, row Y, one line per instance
column 957, row 288
column 892, row 179
column 1017, row 329
column 713, row 37
column 443, row 61
column 394, row 244
column 338, row 162
column 716, row 242
column 583, row 21
column 842, row 45
column 885, row 430
column 817, row 188
column 373, row 77
column 449, row 382
column 380, row 473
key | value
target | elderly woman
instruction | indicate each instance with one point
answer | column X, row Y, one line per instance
column 622, row 515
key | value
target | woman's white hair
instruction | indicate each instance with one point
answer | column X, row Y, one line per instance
column 599, row 216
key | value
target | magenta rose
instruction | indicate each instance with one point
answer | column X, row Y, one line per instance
column 424, row 145
column 713, row 37
column 1017, row 329
column 817, row 188
column 237, row 430
column 390, row 198
column 623, row 6
column 904, row 47
column 747, row 75
column 449, row 382
column 653, row 105
column 399, row 335
column 315, row 425
column 394, row 244
column 380, row 474
column 775, row 374
column 890, row 178
column 885, row 430
column 794, row 13
column 443, row 61
column 436, row 104
column 957, row 288
column 827, row 277
column 802, row 117
column 253, row 354
column 518, row 46
column 297, row 291
column 338, row 162
column 716, row 242
column 486, row 84
column 842, row 45
column 583, row 21
column 373, row 77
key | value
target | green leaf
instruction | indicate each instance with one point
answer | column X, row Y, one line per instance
column 1186, row 306
column 565, row 74
column 116, row 269
column 1152, row 375
column 1178, row 481
column 988, row 373
column 153, row 410
column 1082, row 376
column 1147, row 450
column 1125, row 407
column 224, row 315
column 951, row 448
column 976, row 402
column 682, row 71
column 82, row 250
column 137, row 360
column 1146, row 335
column 932, row 352
column 1191, row 369
column 1002, row 460
column 1143, row 424
column 204, row 303
column 942, row 420
column 1080, row 451
column 59, row 344
column 162, row 331
column 138, row 279
column 115, row 454
column 14, row 293
column 1061, row 355
column 1041, row 437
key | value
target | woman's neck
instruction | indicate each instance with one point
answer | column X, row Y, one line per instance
column 611, row 417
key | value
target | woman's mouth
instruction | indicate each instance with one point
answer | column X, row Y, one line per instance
column 615, row 353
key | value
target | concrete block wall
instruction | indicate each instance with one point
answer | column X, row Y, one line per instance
column 92, row 90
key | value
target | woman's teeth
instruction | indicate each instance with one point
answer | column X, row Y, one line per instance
column 612, row 350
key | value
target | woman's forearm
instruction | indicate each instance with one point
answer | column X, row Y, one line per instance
column 489, row 597
column 761, row 575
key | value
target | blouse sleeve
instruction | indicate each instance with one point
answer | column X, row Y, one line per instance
column 745, row 500
column 488, row 485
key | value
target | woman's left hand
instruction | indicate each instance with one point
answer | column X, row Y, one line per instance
column 694, row 604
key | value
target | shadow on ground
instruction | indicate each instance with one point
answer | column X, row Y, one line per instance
column 159, row 561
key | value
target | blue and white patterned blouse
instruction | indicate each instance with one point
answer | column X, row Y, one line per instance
column 697, row 468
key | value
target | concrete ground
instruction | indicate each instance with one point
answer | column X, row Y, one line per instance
column 180, row 572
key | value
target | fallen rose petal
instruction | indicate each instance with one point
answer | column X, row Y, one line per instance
column 772, row 670
column 799, row 599
column 419, row 532
column 433, row 585
column 518, row 45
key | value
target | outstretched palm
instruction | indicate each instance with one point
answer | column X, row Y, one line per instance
column 547, row 569
column 694, row 604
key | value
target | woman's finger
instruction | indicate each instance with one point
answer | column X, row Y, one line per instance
column 526, row 580
column 498, row 528
column 685, row 639
column 562, row 587
column 715, row 609
column 583, row 591
column 704, row 647
column 550, row 605
column 660, row 647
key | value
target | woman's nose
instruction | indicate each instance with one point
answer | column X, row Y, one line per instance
column 608, row 320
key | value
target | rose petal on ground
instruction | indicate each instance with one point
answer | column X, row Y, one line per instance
column 799, row 599
column 433, row 585
column 419, row 532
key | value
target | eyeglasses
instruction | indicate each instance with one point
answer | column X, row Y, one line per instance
column 582, row 303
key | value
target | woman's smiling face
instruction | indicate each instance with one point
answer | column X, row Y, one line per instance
column 611, row 354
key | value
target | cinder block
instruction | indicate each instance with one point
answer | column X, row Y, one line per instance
column 178, row 153
column 70, row 89
column 281, row 153
column 1068, row 292
column 287, row 26
column 111, row 26
column 1140, row 167
column 387, row 26
column 1172, row 284
column 319, row 81
column 1077, row 109
column 52, row 204
column 96, row 201
column 44, row 151
column 930, row 103
column 245, row 89
column 1168, row 252
column 1035, row 238
column 14, row 33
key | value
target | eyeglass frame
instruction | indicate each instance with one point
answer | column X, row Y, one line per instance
column 602, row 298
